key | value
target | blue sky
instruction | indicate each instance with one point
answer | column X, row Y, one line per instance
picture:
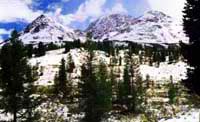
column 16, row 14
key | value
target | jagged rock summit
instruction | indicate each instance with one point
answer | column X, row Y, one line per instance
column 44, row 29
column 152, row 27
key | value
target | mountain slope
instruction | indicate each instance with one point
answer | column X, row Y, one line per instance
column 111, row 23
column 152, row 27
column 45, row 29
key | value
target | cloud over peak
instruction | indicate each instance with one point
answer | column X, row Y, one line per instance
column 15, row 10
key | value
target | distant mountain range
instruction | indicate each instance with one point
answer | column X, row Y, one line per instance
column 152, row 27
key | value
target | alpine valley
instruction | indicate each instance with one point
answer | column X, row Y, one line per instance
column 119, row 69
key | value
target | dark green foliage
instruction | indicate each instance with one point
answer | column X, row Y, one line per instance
column 89, row 44
column 172, row 93
column 191, row 22
column 127, row 81
column 30, row 50
column 17, row 79
column 127, row 92
column 149, row 51
column 132, row 90
column 140, row 99
column 70, row 64
column 31, row 102
column 104, row 91
column 120, row 61
column 96, row 92
column 114, row 85
column 71, row 45
column 108, row 47
column 77, row 43
column 40, row 50
column 173, row 53
column 62, row 87
column 68, row 46
column 88, row 91
column 51, row 46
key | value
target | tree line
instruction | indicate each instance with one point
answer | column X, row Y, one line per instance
column 99, row 92
column 96, row 97
column 155, row 53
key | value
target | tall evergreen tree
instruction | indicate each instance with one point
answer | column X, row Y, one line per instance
column 77, row 43
column 191, row 22
column 114, row 85
column 41, row 49
column 89, row 44
column 62, row 86
column 52, row 46
column 70, row 64
column 96, row 91
column 30, row 50
column 172, row 91
column 68, row 46
column 88, row 91
column 104, row 91
column 140, row 95
column 17, row 79
column 127, row 92
column 127, row 87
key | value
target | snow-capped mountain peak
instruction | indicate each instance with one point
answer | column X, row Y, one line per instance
column 39, row 23
column 45, row 29
column 110, row 23
column 152, row 27
column 154, row 16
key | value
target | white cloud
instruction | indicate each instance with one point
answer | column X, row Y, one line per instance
column 92, row 9
column 4, row 31
column 89, row 9
column 173, row 8
column 14, row 10
column 118, row 8
column 1, row 38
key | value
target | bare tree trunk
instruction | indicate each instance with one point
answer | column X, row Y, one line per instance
column 14, row 116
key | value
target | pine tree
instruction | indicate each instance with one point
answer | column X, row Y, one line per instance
column 127, row 88
column 104, row 92
column 77, row 43
column 140, row 92
column 88, row 90
column 17, row 79
column 41, row 49
column 96, row 91
column 114, row 84
column 172, row 91
column 51, row 46
column 30, row 50
column 70, row 64
column 30, row 102
column 125, row 96
column 171, row 58
column 67, row 47
column 62, row 86
column 89, row 44
column 191, row 22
